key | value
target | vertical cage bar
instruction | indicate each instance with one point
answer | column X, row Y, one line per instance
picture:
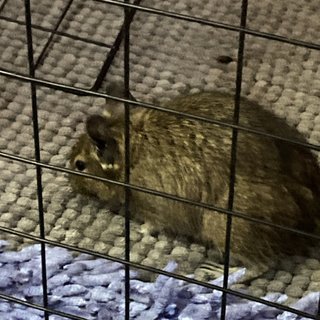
column 46, row 46
column 37, row 153
column 233, row 162
column 114, row 49
column 3, row 4
column 126, row 34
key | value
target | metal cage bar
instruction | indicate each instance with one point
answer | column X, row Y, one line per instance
column 37, row 154
column 129, row 10
column 57, row 33
column 38, row 307
column 53, row 33
column 238, row 214
column 233, row 162
column 3, row 4
column 115, row 48
column 125, row 32
column 80, row 91
column 157, row 271
column 215, row 24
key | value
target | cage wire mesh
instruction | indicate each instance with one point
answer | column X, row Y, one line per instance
column 57, row 60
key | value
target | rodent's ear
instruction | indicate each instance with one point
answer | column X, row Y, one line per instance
column 97, row 128
column 115, row 89
column 114, row 110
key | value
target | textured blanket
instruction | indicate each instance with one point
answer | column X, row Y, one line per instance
column 168, row 57
column 94, row 289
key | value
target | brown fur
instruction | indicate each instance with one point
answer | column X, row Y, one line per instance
column 275, row 181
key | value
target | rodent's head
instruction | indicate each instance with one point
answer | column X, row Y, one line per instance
column 98, row 152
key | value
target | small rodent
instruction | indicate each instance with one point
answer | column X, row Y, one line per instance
column 275, row 181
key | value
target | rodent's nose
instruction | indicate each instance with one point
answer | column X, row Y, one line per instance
column 80, row 165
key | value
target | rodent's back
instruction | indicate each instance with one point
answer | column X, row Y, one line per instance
column 275, row 181
column 202, row 150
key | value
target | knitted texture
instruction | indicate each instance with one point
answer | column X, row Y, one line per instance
column 168, row 57
column 94, row 289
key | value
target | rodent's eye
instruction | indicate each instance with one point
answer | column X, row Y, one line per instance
column 80, row 165
column 106, row 153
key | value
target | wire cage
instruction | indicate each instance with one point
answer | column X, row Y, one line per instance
column 64, row 54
